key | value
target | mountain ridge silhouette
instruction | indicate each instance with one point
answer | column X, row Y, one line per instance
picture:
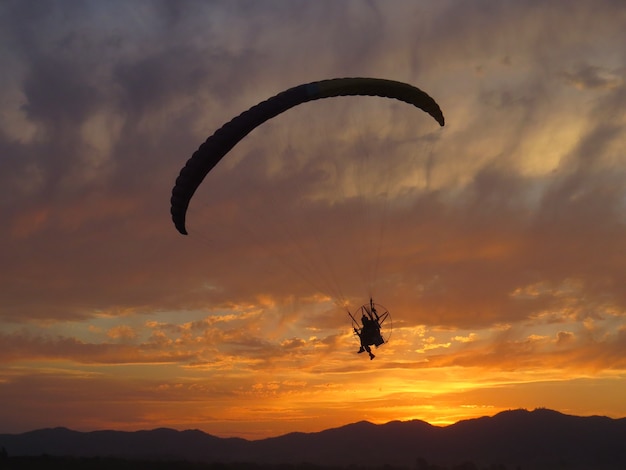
column 536, row 439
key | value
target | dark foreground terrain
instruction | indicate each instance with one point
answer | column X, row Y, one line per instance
column 518, row 439
column 110, row 463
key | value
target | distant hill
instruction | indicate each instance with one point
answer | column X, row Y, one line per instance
column 539, row 439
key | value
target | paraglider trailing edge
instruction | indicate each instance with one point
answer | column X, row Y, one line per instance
column 224, row 139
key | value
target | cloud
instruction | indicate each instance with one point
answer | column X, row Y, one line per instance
column 29, row 347
column 589, row 77
column 495, row 205
column 502, row 233
column 137, row 92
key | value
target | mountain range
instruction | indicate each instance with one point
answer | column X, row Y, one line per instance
column 539, row 439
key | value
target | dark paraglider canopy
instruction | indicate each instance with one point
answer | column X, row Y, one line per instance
column 225, row 138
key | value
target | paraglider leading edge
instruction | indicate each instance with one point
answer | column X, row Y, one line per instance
column 224, row 139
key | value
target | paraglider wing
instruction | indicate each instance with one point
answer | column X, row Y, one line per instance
column 225, row 138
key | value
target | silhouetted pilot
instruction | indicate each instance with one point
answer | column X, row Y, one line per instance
column 366, row 335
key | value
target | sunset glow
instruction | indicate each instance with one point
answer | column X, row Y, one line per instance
column 498, row 242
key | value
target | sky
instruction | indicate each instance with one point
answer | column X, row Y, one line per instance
column 497, row 243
